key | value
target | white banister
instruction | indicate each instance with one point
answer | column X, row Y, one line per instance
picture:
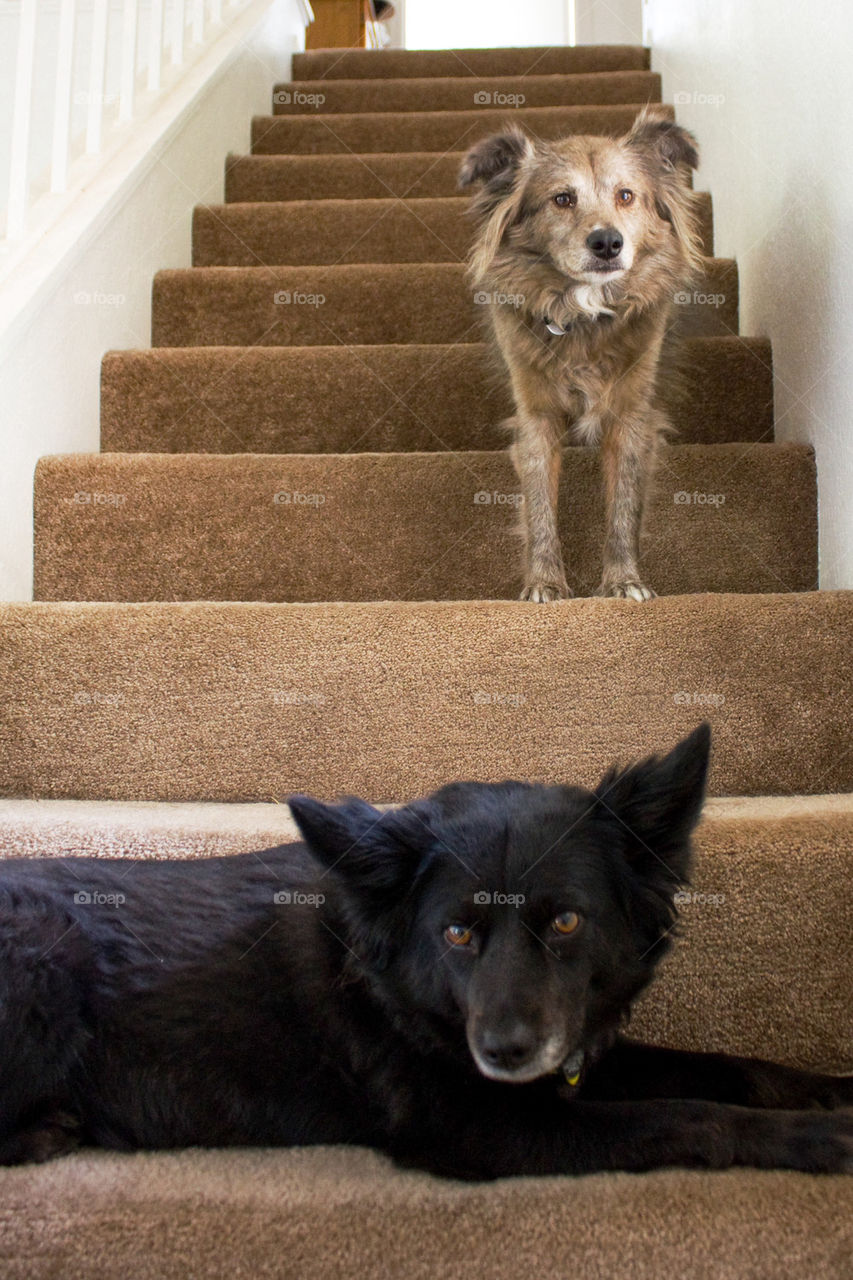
column 155, row 45
column 74, row 59
column 178, row 24
column 97, row 78
column 19, row 168
column 62, row 105
column 129, row 27
column 198, row 21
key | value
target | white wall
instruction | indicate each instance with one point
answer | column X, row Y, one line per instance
column 49, row 372
column 767, row 90
column 610, row 22
column 478, row 24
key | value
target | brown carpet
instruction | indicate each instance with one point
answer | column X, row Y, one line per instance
column 453, row 93
column 356, row 64
column 342, row 177
column 344, row 329
column 338, row 1213
column 382, row 526
column 299, row 232
column 404, row 398
column 428, row 131
column 253, row 702
column 376, row 303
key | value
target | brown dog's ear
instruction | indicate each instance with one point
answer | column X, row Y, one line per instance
column 672, row 144
column 497, row 157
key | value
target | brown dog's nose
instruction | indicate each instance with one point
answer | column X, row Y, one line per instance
column 605, row 243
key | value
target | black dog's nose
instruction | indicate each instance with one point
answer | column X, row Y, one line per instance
column 508, row 1049
column 605, row 243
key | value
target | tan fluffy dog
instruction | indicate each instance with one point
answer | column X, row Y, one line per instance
column 582, row 246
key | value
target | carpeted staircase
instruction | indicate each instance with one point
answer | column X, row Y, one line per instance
column 293, row 568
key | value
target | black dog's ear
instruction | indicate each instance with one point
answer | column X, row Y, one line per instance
column 658, row 803
column 668, row 142
column 495, row 159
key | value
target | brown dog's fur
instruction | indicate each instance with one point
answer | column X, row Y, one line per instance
column 598, row 379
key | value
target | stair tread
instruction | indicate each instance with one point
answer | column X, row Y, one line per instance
column 384, row 398
column 461, row 93
column 364, row 303
column 394, row 131
column 304, row 526
column 560, row 60
column 256, row 701
column 301, row 232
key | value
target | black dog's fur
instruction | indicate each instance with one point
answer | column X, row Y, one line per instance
column 181, row 1004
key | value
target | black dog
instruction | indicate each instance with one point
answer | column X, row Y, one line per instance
column 445, row 982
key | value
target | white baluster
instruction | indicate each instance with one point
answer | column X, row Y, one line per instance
column 178, row 23
column 16, row 218
column 62, row 102
column 155, row 44
column 216, row 12
column 97, row 71
column 129, row 26
column 198, row 21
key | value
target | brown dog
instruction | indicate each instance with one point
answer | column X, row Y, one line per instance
column 582, row 246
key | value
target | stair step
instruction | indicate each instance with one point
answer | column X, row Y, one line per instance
column 301, row 233
column 462, row 93
column 359, row 303
column 392, row 131
column 417, row 526
column 369, row 64
column 353, row 177
column 793, row 849
column 382, row 399
column 208, row 1206
column 209, row 701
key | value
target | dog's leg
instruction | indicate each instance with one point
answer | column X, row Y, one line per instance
column 633, row 1070
column 537, row 458
column 628, row 447
column 517, row 1136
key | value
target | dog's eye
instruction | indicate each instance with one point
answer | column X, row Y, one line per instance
column 625, row 196
column 566, row 199
column 457, row 935
column 566, row 922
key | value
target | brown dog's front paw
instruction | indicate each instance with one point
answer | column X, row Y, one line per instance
column 626, row 589
column 544, row 592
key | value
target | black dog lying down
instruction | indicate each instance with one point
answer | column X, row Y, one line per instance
column 445, row 982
